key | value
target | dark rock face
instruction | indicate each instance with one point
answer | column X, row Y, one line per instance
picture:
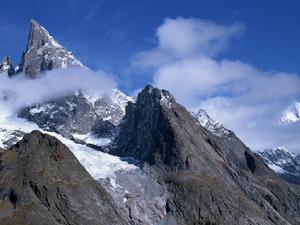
column 211, row 179
column 147, row 143
column 75, row 114
column 43, row 183
column 44, row 53
column 286, row 163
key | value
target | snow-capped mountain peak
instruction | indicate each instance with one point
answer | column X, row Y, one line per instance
column 279, row 155
column 44, row 53
column 210, row 124
column 283, row 162
column 291, row 114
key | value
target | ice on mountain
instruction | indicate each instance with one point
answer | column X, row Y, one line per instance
column 89, row 138
column 291, row 114
column 210, row 124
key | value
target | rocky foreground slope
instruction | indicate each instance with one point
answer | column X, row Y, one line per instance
column 42, row 182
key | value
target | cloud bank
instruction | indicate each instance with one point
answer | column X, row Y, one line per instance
column 187, row 61
column 20, row 91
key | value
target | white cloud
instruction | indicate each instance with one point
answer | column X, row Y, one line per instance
column 244, row 98
column 20, row 91
column 184, row 37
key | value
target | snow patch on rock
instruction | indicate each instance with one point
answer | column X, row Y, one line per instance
column 291, row 114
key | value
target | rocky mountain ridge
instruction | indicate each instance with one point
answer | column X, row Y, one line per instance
column 165, row 166
column 193, row 164
column 284, row 163
column 210, row 124
column 79, row 116
column 82, row 121
column 280, row 160
column 44, row 53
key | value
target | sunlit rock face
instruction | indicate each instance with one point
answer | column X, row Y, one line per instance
column 44, row 53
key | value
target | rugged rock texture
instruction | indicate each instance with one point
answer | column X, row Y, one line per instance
column 210, row 179
column 284, row 163
column 189, row 175
column 140, row 196
column 44, row 53
column 6, row 67
column 73, row 114
column 78, row 114
column 43, row 183
column 210, row 124
column 280, row 160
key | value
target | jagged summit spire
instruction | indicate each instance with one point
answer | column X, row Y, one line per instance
column 34, row 23
column 38, row 35
column 44, row 53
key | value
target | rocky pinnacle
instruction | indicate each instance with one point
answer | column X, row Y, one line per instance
column 44, row 53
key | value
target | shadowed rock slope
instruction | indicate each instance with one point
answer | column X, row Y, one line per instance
column 43, row 183
column 210, row 179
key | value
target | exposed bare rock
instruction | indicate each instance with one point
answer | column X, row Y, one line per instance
column 210, row 179
column 6, row 67
column 44, row 53
column 42, row 182
column 79, row 114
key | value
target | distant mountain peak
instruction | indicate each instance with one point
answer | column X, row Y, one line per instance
column 38, row 36
column 210, row 124
column 283, row 162
column 291, row 114
column 44, row 53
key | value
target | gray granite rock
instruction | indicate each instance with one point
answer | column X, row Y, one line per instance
column 42, row 182
column 210, row 179
column 7, row 67
column 44, row 53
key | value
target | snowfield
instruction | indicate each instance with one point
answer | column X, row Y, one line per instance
column 100, row 165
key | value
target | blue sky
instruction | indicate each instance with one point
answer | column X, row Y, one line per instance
column 106, row 33
column 236, row 59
